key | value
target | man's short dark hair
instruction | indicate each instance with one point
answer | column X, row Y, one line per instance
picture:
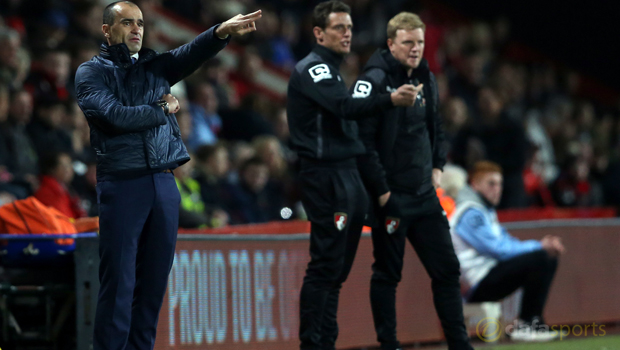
column 322, row 11
column 108, row 13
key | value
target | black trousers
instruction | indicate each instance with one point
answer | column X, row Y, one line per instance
column 139, row 220
column 533, row 271
column 427, row 228
column 336, row 204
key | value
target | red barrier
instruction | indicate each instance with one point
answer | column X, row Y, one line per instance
column 229, row 291
column 239, row 289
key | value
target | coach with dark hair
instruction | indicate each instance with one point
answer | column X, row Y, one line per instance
column 125, row 95
column 321, row 116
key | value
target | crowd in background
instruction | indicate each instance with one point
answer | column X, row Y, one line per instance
column 555, row 147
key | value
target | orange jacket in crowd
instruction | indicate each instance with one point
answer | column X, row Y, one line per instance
column 447, row 203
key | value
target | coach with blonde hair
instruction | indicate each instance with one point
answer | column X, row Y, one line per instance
column 401, row 169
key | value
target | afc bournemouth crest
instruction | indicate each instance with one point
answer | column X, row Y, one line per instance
column 340, row 220
column 391, row 224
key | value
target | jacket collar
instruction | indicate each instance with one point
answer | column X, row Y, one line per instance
column 328, row 55
column 119, row 54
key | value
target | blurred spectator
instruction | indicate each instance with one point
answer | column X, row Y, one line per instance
column 212, row 168
column 46, row 130
column 10, row 44
column 5, row 175
column 81, row 51
column 561, row 128
column 23, row 159
column 481, row 37
column 48, row 82
column 6, row 197
column 86, row 21
column 536, row 189
column 510, row 83
column 252, row 201
column 184, row 120
column 77, row 126
column 538, row 136
column 443, row 87
column 203, row 107
column 374, row 19
column 240, row 152
column 279, row 125
column 249, row 66
column 217, row 74
column 453, row 180
column 192, row 209
column 51, row 30
column 471, row 75
column 271, row 45
column 281, row 183
column 86, row 188
column 56, row 176
column 246, row 122
column 4, row 104
column 575, row 188
column 455, row 117
column 503, row 141
column 350, row 69
column 268, row 149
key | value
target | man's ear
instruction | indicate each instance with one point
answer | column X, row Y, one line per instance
column 318, row 34
column 390, row 42
column 106, row 30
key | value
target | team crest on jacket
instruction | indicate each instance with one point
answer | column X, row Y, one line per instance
column 340, row 220
column 391, row 224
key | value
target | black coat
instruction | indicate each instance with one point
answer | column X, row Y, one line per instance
column 321, row 113
column 128, row 130
column 403, row 144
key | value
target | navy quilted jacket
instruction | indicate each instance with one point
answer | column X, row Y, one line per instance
column 129, row 132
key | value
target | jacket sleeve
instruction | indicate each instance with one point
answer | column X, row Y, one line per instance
column 475, row 229
column 439, row 149
column 184, row 60
column 369, row 165
column 321, row 83
column 105, row 110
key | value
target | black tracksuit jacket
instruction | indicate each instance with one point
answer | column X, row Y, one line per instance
column 403, row 144
column 321, row 113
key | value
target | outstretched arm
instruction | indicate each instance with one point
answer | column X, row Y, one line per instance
column 184, row 60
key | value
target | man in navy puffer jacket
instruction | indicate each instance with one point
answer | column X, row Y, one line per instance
column 125, row 95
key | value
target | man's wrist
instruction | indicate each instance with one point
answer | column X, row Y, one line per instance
column 164, row 105
column 219, row 33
